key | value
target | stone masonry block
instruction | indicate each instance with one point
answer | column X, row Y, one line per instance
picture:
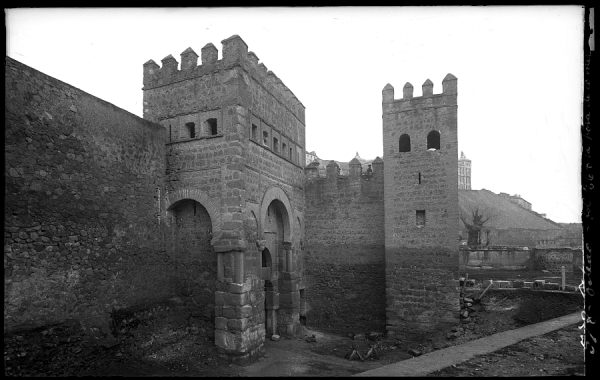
column 229, row 341
column 237, row 299
column 237, row 324
column 220, row 298
column 221, row 323
column 237, row 312
column 240, row 288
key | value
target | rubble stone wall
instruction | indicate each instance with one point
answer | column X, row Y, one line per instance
column 421, row 209
column 344, row 257
column 83, row 181
column 552, row 259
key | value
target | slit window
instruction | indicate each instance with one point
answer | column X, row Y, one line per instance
column 211, row 126
column 283, row 148
column 433, row 140
column 275, row 144
column 265, row 138
column 254, row 134
column 191, row 128
column 404, row 144
column 420, row 218
column 419, row 178
column 291, row 151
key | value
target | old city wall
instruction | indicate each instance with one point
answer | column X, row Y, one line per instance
column 344, row 253
column 421, row 210
column 83, row 178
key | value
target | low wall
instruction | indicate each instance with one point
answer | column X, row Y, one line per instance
column 520, row 258
column 552, row 259
column 513, row 258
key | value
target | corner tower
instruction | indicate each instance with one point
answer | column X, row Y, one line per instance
column 234, row 199
column 421, row 209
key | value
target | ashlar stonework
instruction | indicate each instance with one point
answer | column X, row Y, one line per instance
column 209, row 198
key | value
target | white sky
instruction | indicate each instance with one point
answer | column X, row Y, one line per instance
column 519, row 70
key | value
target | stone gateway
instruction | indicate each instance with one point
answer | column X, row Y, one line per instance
column 208, row 198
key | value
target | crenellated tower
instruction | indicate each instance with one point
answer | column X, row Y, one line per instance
column 421, row 208
column 234, row 199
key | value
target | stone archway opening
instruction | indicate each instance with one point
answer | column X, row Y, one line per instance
column 194, row 271
column 276, row 230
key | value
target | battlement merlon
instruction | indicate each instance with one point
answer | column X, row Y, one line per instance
column 235, row 53
column 408, row 101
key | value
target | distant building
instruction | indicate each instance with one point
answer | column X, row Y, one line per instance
column 310, row 157
column 464, row 172
column 516, row 198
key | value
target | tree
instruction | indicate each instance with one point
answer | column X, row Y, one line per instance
column 475, row 226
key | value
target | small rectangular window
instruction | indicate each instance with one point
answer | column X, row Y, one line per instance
column 275, row 144
column 265, row 138
column 254, row 134
column 211, row 125
column 191, row 127
column 420, row 218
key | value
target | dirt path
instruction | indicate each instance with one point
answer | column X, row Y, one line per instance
column 558, row 353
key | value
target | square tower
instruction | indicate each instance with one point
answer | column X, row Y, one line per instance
column 234, row 199
column 421, row 209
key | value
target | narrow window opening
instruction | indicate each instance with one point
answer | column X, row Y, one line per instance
column 212, row 126
column 265, row 138
column 191, row 127
column 404, row 143
column 170, row 134
column 275, row 144
column 254, row 135
column 419, row 178
column 266, row 258
column 283, row 148
column 420, row 218
column 291, row 153
column 433, row 140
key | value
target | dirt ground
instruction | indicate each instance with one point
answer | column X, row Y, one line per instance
column 558, row 353
column 167, row 340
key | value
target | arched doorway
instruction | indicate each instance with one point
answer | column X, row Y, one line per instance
column 275, row 229
column 194, row 271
